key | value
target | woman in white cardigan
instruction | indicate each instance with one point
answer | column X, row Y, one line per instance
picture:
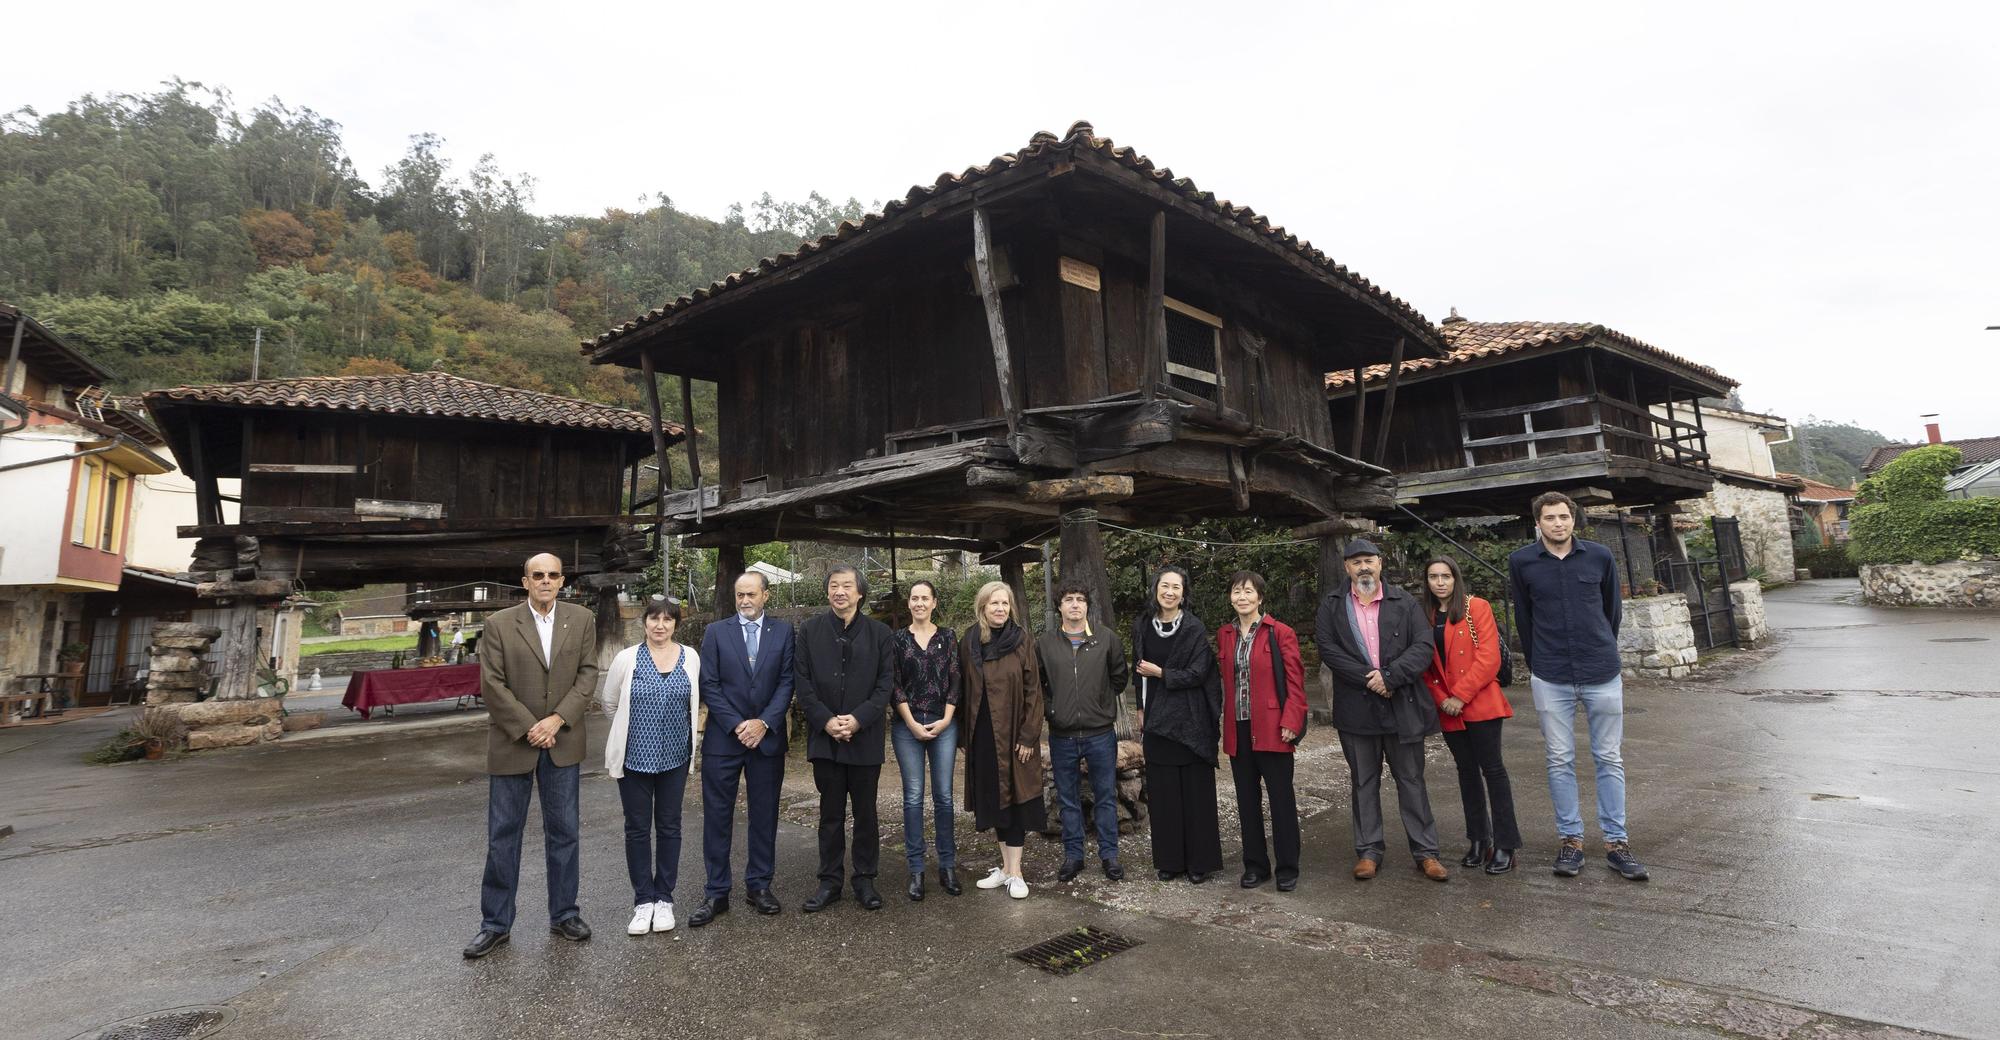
column 650, row 691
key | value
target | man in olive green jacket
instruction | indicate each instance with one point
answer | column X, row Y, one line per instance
column 538, row 671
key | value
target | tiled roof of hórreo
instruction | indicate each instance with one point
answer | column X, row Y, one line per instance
column 416, row 393
column 1472, row 340
column 1043, row 146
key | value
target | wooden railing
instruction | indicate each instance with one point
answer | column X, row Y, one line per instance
column 1685, row 443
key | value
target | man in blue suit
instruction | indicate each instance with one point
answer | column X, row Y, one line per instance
column 746, row 684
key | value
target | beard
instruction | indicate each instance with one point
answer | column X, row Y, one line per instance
column 1365, row 582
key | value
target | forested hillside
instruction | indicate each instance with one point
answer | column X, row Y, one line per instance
column 157, row 232
column 1827, row 451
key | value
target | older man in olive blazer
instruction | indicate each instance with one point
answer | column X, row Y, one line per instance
column 538, row 671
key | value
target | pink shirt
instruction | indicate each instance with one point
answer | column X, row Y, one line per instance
column 1369, row 614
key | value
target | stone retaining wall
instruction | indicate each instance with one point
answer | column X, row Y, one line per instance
column 1656, row 640
column 1960, row 584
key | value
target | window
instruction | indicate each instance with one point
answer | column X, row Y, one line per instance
column 80, row 505
column 1194, row 350
column 108, row 527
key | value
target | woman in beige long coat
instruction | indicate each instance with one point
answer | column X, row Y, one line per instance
column 1001, row 731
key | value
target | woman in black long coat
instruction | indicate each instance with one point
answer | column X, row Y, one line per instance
column 1180, row 713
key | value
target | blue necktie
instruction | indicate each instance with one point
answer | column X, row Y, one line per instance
column 750, row 642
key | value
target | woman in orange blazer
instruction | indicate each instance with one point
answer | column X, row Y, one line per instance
column 1464, row 680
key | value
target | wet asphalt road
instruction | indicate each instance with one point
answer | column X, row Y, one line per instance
column 1820, row 819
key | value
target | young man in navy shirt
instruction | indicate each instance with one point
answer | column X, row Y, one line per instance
column 1566, row 608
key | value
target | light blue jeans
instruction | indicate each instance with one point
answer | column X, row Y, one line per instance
column 1604, row 710
column 913, row 756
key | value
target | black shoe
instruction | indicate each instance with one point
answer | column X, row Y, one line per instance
column 484, row 943
column 1478, row 854
column 1286, row 884
column 948, row 880
column 1169, row 875
column 710, row 909
column 1254, row 877
column 917, row 887
column 1070, row 869
column 865, row 894
column 1619, row 855
column 1502, row 861
column 1569, row 858
column 571, row 928
column 761, row 901
column 820, row 900
column 1112, row 871
column 1198, row 876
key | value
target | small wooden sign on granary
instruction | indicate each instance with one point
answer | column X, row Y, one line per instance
column 1064, row 326
column 349, row 480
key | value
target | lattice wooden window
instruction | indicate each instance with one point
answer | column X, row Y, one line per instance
column 1194, row 350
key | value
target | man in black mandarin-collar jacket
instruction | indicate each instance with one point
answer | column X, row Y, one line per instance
column 845, row 674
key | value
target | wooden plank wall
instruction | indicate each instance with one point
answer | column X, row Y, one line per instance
column 476, row 470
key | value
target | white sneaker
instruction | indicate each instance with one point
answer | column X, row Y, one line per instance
column 663, row 916
column 1017, row 888
column 642, row 920
column 993, row 880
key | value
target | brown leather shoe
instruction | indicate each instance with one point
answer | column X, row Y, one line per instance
column 1364, row 868
column 1433, row 869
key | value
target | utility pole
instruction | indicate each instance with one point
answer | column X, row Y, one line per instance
column 257, row 354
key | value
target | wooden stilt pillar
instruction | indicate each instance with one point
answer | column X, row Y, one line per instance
column 1083, row 560
column 1016, row 577
column 728, row 567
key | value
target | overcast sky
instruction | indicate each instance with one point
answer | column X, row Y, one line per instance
column 1804, row 196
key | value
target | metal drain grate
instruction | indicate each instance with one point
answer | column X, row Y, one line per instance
column 1071, row 952
column 186, row 1023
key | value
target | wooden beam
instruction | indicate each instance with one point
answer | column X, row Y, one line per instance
column 728, row 567
column 1389, row 400
column 404, row 510
column 1239, row 481
column 264, row 588
column 1336, row 527
column 302, row 468
column 1360, row 415
column 694, row 451
column 1464, row 420
column 995, row 476
column 1155, row 317
column 207, row 505
column 996, row 323
column 652, row 382
column 1079, row 489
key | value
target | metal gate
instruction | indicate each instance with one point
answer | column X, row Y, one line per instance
column 1705, row 583
column 1729, row 548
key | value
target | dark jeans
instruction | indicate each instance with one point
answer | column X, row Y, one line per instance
column 1271, row 771
column 838, row 786
column 507, row 800
column 653, row 809
column 1483, row 777
column 912, row 758
column 1100, row 755
column 1365, row 752
column 763, row 775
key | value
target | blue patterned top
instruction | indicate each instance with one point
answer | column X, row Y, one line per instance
column 657, row 735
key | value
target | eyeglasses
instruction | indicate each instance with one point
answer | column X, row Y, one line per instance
column 545, row 575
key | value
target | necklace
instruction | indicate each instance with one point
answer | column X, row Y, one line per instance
column 1167, row 631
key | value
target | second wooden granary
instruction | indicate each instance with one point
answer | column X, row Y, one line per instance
column 1065, row 326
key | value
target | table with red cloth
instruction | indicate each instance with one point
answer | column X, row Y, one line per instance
column 389, row 686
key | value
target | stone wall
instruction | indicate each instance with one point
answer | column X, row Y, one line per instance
column 1960, row 584
column 1764, row 519
column 1656, row 639
column 1746, row 601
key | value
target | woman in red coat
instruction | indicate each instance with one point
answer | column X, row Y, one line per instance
column 1464, row 680
column 1263, row 717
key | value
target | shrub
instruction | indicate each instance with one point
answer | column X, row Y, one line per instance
column 1826, row 561
column 1903, row 516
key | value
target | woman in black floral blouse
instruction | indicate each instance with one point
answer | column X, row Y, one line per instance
column 927, row 684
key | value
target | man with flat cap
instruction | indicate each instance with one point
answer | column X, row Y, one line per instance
column 537, row 673
column 1375, row 640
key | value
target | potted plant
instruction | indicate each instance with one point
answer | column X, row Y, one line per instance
column 160, row 729
column 71, row 657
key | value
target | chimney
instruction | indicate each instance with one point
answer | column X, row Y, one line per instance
column 1931, row 434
